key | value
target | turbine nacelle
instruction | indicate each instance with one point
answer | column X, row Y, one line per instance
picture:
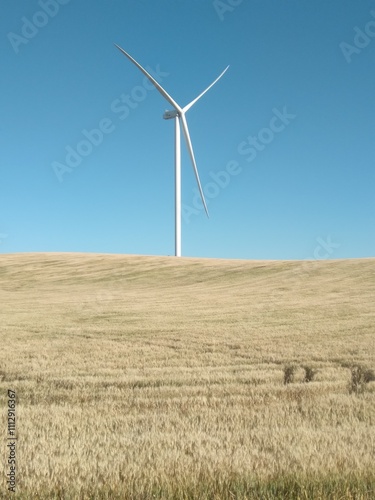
column 178, row 113
column 170, row 114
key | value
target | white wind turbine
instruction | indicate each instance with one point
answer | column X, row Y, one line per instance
column 178, row 114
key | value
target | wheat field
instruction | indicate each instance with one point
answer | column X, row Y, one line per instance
column 156, row 377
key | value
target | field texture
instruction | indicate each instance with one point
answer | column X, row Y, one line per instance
column 156, row 377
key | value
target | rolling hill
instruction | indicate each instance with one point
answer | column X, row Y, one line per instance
column 157, row 377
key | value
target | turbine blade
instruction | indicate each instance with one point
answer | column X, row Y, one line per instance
column 185, row 130
column 152, row 79
column 188, row 106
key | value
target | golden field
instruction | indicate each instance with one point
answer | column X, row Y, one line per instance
column 156, row 377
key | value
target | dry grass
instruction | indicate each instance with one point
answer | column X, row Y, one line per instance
column 151, row 377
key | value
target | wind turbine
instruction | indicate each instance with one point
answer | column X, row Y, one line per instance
column 178, row 114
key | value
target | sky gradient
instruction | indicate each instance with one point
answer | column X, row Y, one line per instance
column 284, row 142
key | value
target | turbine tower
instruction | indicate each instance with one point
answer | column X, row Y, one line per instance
column 178, row 114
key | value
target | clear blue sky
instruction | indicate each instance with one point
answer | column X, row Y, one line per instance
column 300, row 186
